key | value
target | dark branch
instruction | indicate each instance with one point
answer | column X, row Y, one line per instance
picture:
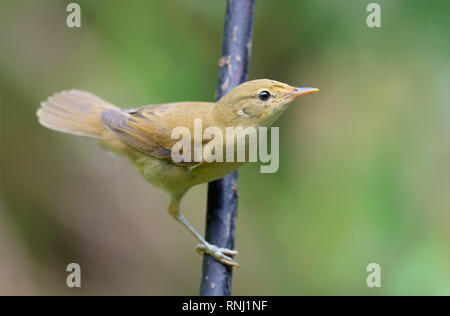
column 222, row 194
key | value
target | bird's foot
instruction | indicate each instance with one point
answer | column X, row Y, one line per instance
column 222, row 255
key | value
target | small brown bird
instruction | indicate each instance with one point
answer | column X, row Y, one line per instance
column 144, row 135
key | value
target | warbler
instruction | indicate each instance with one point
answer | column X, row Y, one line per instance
column 144, row 135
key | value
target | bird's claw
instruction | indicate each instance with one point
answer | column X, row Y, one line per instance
column 222, row 255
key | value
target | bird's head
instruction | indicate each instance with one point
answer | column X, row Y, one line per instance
column 258, row 102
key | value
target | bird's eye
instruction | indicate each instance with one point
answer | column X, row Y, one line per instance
column 264, row 95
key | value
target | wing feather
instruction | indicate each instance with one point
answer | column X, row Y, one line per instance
column 149, row 128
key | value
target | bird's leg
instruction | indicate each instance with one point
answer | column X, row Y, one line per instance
column 222, row 255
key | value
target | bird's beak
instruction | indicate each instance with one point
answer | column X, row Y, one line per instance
column 298, row 92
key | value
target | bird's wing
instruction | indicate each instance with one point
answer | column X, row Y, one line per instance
column 149, row 128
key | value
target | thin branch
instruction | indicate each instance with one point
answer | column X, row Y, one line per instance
column 222, row 194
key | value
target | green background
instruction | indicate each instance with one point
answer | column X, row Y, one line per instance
column 363, row 172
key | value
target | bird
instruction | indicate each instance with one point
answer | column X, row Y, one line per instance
column 144, row 135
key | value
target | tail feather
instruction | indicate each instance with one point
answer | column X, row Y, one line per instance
column 74, row 112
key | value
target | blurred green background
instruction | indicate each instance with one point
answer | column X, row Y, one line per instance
column 364, row 173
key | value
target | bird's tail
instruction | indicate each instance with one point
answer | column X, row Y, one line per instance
column 74, row 112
